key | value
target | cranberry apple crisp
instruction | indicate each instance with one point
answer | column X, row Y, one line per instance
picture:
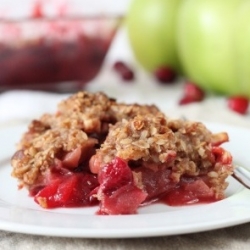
column 95, row 150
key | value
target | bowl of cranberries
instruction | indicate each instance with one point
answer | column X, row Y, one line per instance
column 54, row 53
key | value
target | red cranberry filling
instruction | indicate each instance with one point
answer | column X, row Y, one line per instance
column 189, row 192
column 120, row 190
column 119, row 194
column 160, row 186
column 21, row 67
column 71, row 190
column 60, row 51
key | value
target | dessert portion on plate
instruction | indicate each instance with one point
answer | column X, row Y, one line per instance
column 97, row 151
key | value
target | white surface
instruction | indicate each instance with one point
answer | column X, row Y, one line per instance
column 18, row 212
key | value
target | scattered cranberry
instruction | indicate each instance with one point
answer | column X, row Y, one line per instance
column 238, row 104
column 165, row 74
column 192, row 93
column 124, row 71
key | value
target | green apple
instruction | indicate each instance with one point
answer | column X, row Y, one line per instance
column 151, row 32
column 242, row 46
column 206, row 44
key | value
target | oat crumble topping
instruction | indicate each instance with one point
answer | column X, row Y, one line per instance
column 104, row 128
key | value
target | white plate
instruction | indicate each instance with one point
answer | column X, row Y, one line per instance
column 19, row 213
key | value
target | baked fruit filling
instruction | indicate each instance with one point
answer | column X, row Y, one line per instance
column 96, row 151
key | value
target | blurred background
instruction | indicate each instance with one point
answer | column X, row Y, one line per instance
column 186, row 50
column 56, row 45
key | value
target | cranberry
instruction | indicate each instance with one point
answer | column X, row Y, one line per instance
column 192, row 93
column 115, row 174
column 165, row 74
column 119, row 194
column 188, row 193
column 238, row 104
column 72, row 190
column 124, row 71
